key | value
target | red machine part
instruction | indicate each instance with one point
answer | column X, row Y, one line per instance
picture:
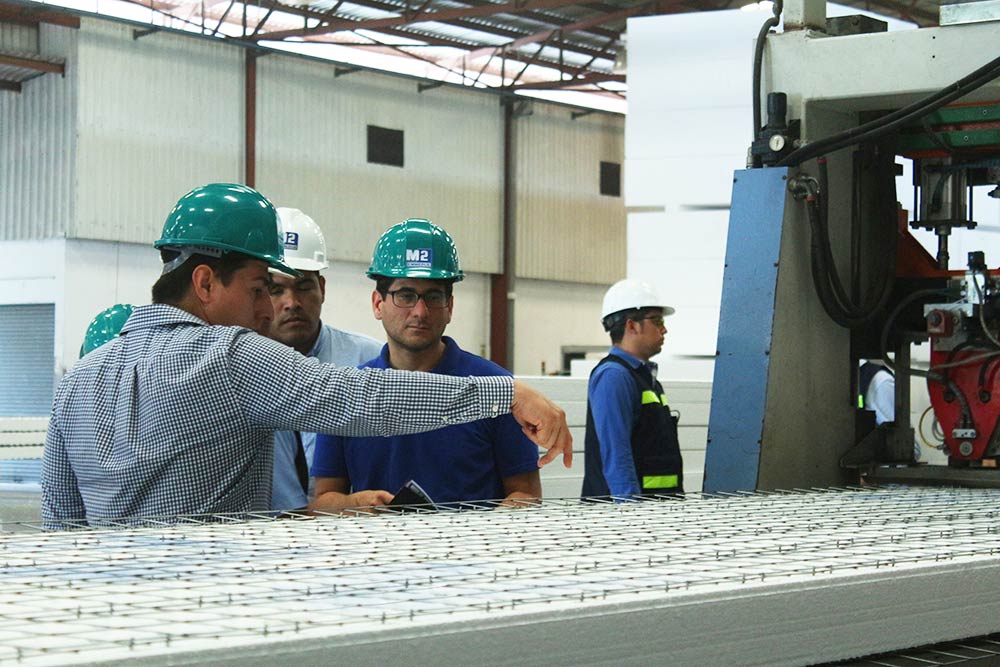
column 977, row 381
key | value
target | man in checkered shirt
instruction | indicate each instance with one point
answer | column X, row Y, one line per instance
column 177, row 414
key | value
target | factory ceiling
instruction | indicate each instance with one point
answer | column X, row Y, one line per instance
column 506, row 44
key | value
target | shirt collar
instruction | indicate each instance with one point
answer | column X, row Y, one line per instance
column 449, row 359
column 320, row 341
column 159, row 314
column 382, row 360
column 634, row 361
column 448, row 363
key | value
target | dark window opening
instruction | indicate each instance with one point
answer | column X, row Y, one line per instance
column 385, row 146
column 611, row 179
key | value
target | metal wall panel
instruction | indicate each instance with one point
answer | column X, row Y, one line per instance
column 311, row 151
column 566, row 230
column 158, row 115
column 37, row 148
column 15, row 38
column 27, row 334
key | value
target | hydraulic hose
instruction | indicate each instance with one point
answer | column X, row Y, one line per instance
column 758, row 58
column 890, row 122
column 910, row 298
column 838, row 305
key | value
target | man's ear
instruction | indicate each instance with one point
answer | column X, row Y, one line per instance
column 203, row 283
column 377, row 302
column 451, row 308
column 322, row 286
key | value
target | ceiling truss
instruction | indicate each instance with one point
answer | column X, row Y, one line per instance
column 507, row 44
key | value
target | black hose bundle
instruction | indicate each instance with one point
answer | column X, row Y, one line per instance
column 892, row 121
column 860, row 310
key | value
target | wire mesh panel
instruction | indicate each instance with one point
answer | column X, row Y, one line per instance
column 692, row 567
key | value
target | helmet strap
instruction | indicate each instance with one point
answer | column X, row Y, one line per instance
column 186, row 252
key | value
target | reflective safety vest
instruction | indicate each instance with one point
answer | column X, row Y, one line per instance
column 656, row 450
column 866, row 374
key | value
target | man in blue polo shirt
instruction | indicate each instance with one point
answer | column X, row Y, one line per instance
column 415, row 265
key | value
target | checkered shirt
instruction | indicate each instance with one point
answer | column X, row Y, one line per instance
column 177, row 417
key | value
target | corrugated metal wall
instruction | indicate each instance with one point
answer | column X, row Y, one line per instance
column 158, row 116
column 16, row 38
column 311, row 151
column 37, row 146
column 163, row 113
column 567, row 230
column 26, row 379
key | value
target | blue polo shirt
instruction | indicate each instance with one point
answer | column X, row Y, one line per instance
column 466, row 462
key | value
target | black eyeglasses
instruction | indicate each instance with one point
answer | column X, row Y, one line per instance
column 657, row 320
column 407, row 298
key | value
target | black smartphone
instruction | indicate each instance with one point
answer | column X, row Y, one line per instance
column 411, row 494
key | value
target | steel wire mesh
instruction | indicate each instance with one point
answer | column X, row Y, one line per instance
column 190, row 583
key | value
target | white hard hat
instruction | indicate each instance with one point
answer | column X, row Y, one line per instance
column 631, row 294
column 305, row 247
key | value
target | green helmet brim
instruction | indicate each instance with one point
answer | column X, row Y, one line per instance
column 272, row 261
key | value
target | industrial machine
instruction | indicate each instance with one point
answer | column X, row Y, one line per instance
column 822, row 269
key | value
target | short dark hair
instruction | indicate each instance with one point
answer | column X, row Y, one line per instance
column 615, row 322
column 172, row 287
column 383, row 283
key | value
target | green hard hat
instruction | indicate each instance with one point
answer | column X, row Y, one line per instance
column 105, row 326
column 226, row 217
column 415, row 248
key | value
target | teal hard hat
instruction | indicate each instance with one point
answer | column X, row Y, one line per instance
column 226, row 217
column 107, row 325
column 415, row 248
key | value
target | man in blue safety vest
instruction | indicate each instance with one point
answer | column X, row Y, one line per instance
column 631, row 443
column 877, row 391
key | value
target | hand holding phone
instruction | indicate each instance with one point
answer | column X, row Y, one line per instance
column 411, row 494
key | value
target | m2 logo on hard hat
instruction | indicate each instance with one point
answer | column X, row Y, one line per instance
column 292, row 240
column 419, row 258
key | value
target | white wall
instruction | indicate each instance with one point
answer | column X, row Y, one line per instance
column 99, row 274
column 38, row 147
column 81, row 278
column 549, row 315
column 566, row 229
column 682, row 143
column 33, row 272
column 158, row 116
column 312, row 155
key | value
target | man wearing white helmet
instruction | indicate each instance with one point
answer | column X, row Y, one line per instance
column 298, row 303
column 631, row 444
